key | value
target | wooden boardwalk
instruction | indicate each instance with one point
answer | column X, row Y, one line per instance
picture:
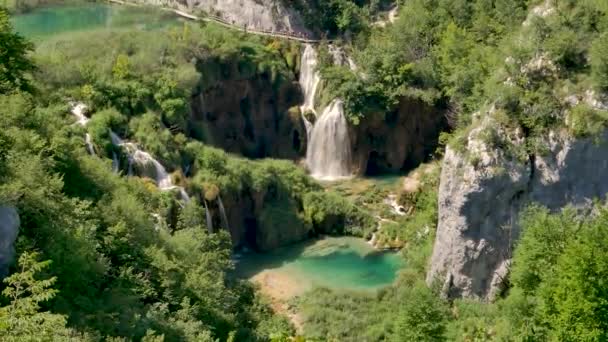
column 220, row 21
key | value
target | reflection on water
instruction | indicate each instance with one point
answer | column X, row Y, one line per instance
column 339, row 263
column 53, row 20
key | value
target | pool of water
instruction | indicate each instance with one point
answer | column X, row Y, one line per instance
column 338, row 263
column 44, row 22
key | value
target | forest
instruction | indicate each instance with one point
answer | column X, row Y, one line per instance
column 100, row 256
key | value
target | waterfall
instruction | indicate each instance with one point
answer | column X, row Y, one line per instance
column 89, row 143
column 78, row 110
column 208, row 217
column 223, row 212
column 145, row 160
column 115, row 165
column 309, row 80
column 328, row 156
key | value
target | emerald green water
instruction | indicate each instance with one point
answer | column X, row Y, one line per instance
column 338, row 263
column 54, row 20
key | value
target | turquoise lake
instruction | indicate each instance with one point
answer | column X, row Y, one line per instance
column 55, row 20
column 339, row 263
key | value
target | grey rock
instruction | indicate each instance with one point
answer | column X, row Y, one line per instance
column 481, row 196
column 9, row 228
column 261, row 15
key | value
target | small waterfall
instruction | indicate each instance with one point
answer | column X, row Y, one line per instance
column 89, row 142
column 309, row 81
column 208, row 217
column 78, row 110
column 328, row 156
column 146, row 161
column 115, row 165
column 223, row 212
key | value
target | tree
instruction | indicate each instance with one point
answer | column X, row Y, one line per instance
column 22, row 320
column 575, row 299
column 599, row 61
column 14, row 62
column 422, row 317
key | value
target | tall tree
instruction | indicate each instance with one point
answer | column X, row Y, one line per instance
column 14, row 60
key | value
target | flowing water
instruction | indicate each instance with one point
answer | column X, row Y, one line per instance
column 148, row 165
column 223, row 212
column 309, row 81
column 44, row 22
column 208, row 218
column 328, row 155
column 78, row 110
column 344, row 263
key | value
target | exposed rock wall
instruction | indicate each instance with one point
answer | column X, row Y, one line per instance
column 262, row 15
column 249, row 115
column 263, row 221
column 398, row 140
column 483, row 190
column 9, row 228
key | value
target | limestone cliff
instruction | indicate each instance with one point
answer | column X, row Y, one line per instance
column 260, row 15
column 263, row 220
column 249, row 114
column 483, row 188
column 398, row 140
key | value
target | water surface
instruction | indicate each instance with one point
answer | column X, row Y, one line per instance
column 339, row 263
column 44, row 22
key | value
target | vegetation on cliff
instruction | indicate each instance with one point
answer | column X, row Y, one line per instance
column 104, row 257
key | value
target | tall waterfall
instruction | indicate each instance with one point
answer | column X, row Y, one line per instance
column 328, row 156
column 208, row 218
column 148, row 163
column 309, row 81
column 223, row 212
column 78, row 110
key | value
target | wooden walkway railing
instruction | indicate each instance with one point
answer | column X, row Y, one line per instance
column 223, row 22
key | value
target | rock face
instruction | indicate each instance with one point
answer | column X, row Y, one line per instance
column 260, row 15
column 261, row 221
column 482, row 192
column 399, row 140
column 250, row 115
column 9, row 228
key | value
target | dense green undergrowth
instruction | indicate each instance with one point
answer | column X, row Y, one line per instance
column 124, row 260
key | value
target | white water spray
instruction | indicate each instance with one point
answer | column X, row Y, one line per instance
column 223, row 212
column 328, row 156
column 309, row 81
column 145, row 161
column 78, row 110
column 208, row 218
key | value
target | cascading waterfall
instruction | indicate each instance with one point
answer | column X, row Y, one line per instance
column 309, row 81
column 222, row 212
column 78, row 110
column 328, row 156
column 208, row 217
column 145, row 160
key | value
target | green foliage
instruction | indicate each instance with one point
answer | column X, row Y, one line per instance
column 335, row 16
column 330, row 213
column 422, row 317
column 22, row 319
column 599, row 61
column 15, row 63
